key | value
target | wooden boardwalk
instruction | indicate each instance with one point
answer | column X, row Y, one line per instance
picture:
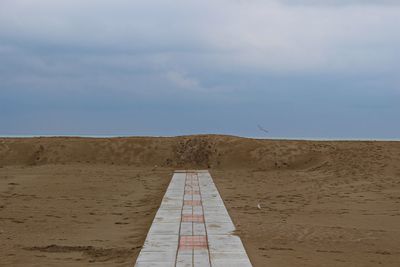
column 192, row 227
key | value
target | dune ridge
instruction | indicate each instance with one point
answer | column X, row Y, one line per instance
column 201, row 151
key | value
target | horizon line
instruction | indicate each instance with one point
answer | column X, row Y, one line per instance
column 183, row 135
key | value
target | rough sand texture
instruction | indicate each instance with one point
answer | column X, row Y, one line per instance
column 73, row 215
column 90, row 202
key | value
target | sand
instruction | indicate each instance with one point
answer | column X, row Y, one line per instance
column 90, row 202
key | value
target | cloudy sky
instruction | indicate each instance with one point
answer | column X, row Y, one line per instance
column 299, row 68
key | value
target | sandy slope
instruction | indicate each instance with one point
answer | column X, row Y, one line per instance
column 80, row 202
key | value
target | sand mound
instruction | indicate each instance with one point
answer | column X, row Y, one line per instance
column 203, row 151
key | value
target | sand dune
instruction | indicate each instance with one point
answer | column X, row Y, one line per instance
column 90, row 202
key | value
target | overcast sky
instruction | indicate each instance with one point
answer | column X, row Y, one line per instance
column 299, row 68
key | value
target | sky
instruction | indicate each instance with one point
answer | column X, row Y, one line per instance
column 298, row 68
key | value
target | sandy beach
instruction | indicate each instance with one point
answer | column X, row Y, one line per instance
column 90, row 201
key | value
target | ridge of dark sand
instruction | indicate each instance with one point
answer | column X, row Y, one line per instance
column 90, row 202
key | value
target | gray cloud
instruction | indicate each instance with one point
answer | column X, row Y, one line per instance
column 232, row 57
column 340, row 2
column 257, row 34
